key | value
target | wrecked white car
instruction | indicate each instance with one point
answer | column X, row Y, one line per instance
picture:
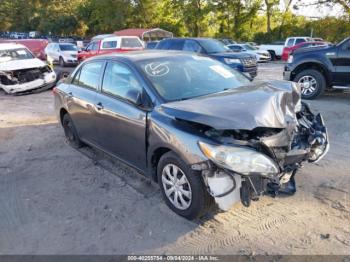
column 21, row 72
column 200, row 129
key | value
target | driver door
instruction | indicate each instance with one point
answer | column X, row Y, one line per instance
column 121, row 125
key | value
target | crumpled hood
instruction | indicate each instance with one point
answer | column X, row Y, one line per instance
column 21, row 64
column 263, row 104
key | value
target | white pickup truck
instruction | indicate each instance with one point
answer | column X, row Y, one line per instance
column 276, row 49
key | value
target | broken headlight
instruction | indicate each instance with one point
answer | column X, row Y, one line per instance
column 239, row 159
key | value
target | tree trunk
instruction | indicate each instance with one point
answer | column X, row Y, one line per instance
column 284, row 18
column 268, row 16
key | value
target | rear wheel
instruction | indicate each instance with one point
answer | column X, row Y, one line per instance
column 272, row 54
column 312, row 82
column 183, row 190
column 70, row 132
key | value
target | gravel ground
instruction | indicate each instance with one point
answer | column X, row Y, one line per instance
column 58, row 200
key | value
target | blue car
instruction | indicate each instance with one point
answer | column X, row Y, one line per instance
column 243, row 62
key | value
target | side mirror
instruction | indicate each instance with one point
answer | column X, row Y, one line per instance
column 134, row 96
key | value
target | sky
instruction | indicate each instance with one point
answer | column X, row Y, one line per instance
column 314, row 11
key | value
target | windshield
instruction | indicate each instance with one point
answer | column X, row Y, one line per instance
column 249, row 47
column 187, row 76
column 212, row 46
column 15, row 54
column 68, row 48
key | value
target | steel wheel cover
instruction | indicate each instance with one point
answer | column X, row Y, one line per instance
column 176, row 186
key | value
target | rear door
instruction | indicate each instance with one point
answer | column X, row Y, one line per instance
column 81, row 99
column 121, row 125
column 342, row 65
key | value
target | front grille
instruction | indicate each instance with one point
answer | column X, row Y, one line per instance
column 74, row 56
column 251, row 61
column 29, row 75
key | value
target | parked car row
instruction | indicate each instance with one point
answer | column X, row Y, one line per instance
column 245, row 63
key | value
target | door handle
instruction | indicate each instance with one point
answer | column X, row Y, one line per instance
column 99, row 106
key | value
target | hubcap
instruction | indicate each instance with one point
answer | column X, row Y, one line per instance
column 176, row 186
column 308, row 85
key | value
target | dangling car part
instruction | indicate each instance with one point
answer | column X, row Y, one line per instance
column 21, row 72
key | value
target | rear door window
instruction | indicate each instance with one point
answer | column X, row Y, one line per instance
column 89, row 76
column 290, row 42
column 191, row 46
column 131, row 43
column 164, row 44
column 300, row 40
column 109, row 44
column 176, row 44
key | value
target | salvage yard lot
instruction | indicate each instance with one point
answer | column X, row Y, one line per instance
column 58, row 200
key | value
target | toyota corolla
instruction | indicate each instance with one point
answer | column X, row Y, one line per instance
column 203, row 131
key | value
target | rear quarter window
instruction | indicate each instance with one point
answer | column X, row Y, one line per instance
column 109, row 44
column 131, row 43
column 300, row 40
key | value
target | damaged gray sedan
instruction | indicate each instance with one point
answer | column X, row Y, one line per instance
column 203, row 131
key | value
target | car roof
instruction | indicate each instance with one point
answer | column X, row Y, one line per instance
column 7, row 46
column 190, row 38
column 109, row 38
column 142, row 55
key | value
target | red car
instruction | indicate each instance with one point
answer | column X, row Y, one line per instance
column 288, row 50
column 110, row 44
column 36, row 46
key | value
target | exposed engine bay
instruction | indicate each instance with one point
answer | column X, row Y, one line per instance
column 29, row 79
column 304, row 140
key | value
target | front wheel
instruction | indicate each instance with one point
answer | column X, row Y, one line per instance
column 312, row 82
column 183, row 190
column 61, row 62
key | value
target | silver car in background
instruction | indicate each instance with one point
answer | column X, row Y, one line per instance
column 62, row 53
column 261, row 55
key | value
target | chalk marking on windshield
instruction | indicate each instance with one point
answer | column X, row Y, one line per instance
column 157, row 69
column 221, row 71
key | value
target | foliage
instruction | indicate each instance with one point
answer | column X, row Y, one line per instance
column 258, row 20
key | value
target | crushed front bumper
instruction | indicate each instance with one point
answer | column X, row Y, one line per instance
column 228, row 187
column 46, row 82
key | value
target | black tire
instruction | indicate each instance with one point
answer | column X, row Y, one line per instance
column 61, row 62
column 319, row 87
column 272, row 54
column 70, row 132
column 201, row 200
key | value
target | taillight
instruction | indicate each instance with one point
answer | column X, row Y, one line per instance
column 54, row 90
